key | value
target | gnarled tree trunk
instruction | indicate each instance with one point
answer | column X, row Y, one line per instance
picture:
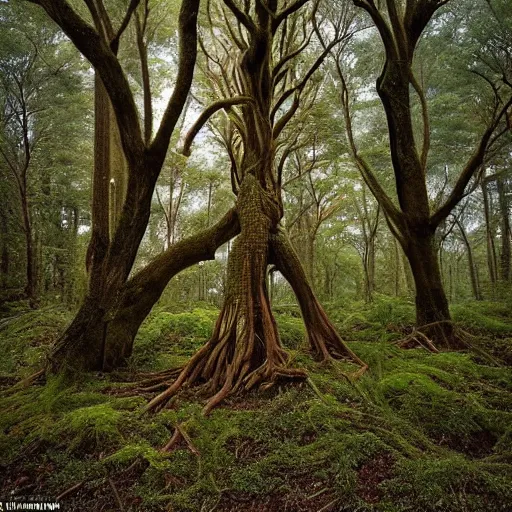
column 244, row 350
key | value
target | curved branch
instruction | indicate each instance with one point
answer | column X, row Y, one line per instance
column 426, row 121
column 187, row 60
column 241, row 16
column 114, row 44
column 393, row 214
column 212, row 109
column 144, row 289
column 285, row 13
column 470, row 169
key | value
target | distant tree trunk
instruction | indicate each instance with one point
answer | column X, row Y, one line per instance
column 30, row 288
column 472, row 269
column 4, row 256
column 397, row 268
column 491, row 249
column 505, row 231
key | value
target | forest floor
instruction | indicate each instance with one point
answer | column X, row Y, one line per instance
column 418, row 432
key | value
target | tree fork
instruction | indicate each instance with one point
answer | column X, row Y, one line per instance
column 109, row 329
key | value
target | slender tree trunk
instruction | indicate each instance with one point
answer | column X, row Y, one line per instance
column 4, row 256
column 491, row 249
column 30, row 287
column 472, row 269
column 505, row 231
column 397, row 268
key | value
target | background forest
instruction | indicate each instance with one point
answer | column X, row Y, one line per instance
column 256, row 254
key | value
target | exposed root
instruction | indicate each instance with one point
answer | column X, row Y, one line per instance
column 236, row 359
column 148, row 383
column 179, row 434
column 455, row 339
column 25, row 383
column 417, row 338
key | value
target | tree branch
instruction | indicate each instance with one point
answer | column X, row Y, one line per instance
column 285, row 13
column 114, row 44
column 187, row 61
column 212, row 109
column 469, row 170
column 241, row 16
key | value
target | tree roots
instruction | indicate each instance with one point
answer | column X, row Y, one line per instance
column 434, row 335
column 240, row 356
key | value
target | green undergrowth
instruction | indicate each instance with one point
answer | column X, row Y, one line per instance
column 25, row 335
column 417, row 432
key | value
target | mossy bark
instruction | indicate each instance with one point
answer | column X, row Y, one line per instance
column 432, row 312
column 101, row 335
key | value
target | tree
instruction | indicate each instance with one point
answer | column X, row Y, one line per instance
column 244, row 350
column 400, row 28
column 85, row 344
column 39, row 80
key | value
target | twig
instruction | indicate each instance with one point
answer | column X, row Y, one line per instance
column 187, row 439
column 329, row 505
column 116, row 495
column 174, row 439
column 68, row 491
column 179, row 433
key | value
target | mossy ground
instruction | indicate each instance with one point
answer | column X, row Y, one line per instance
column 418, row 432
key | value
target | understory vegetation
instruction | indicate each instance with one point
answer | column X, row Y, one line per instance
column 417, row 432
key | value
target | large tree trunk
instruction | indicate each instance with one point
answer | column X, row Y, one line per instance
column 245, row 350
column 432, row 312
column 82, row 345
